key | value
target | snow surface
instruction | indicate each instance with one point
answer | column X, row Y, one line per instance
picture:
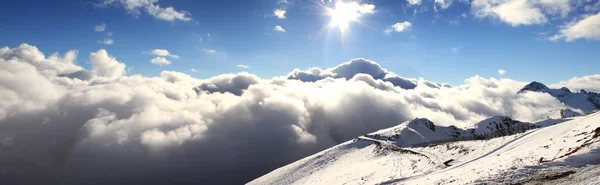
column 559, row 114
column 522, row 157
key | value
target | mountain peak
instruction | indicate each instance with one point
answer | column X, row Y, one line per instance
column 423, row 121
column 533, row 86
column 583, row 100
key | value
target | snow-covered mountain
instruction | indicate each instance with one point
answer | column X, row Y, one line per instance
column 559, row 114
column 422, row 130
column 567, row 150
column 583, row 100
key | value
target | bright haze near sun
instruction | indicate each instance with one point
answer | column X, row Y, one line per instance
column 343, row 14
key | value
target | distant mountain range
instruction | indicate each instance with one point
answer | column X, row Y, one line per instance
column 583, row 100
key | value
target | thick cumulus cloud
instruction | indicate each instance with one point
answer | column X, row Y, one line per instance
column 105, row 65
column 232, row 83
column 588, row 83
column 349, row 69
column 111, row 128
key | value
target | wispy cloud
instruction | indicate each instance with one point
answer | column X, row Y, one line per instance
column 107, row 41
column 242, row 66
column 151, row 7
column 456, row 49
column 501, row 71
column 364, row 8
column 413, row 2
column 441, row 4
column 279, row 28
column 163, row 53
column 586, row 28
column 209, row 51
column 100, row 28
column 522, row 12
column 398, row 27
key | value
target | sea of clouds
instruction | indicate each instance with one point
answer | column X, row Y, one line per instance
column 63, row 124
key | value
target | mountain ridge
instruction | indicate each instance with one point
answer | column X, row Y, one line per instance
column 582, row 100
column 378, row 160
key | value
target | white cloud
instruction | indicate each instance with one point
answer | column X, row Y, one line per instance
column 455, row 49
column 501, row 71
column 163, row 53
column 586, row 28
column 279, row 13
column 457, row 20
column 152, row 8
column 53, row 65
column 521, row 12
column 106, row 41
column 592, row 7
column 193, row 70
column 559, row 8
column 588, row 83
column 513, row 12
column 168, row 14
column 161, row 61
column 242, row 66
column 363, row 8
column 202, row 38
column 414, row 2
column 100, row 28
column 278, row 28
column 350, row 69
column 210, row 51
column 105, row 65
column 113, row 126
column 398, row 27
column 441, row 4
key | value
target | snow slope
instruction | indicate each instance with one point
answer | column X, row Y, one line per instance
column 571, row 144
column 559, row 114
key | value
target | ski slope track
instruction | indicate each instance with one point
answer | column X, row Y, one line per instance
column 565, row 150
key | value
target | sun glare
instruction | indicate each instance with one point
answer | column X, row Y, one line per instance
column 342, row 15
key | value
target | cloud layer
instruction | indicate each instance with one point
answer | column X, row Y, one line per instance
column 63, row 124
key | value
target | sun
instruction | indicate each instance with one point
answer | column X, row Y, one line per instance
column 342, row 14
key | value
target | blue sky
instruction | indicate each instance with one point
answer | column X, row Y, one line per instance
column 214, row 37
